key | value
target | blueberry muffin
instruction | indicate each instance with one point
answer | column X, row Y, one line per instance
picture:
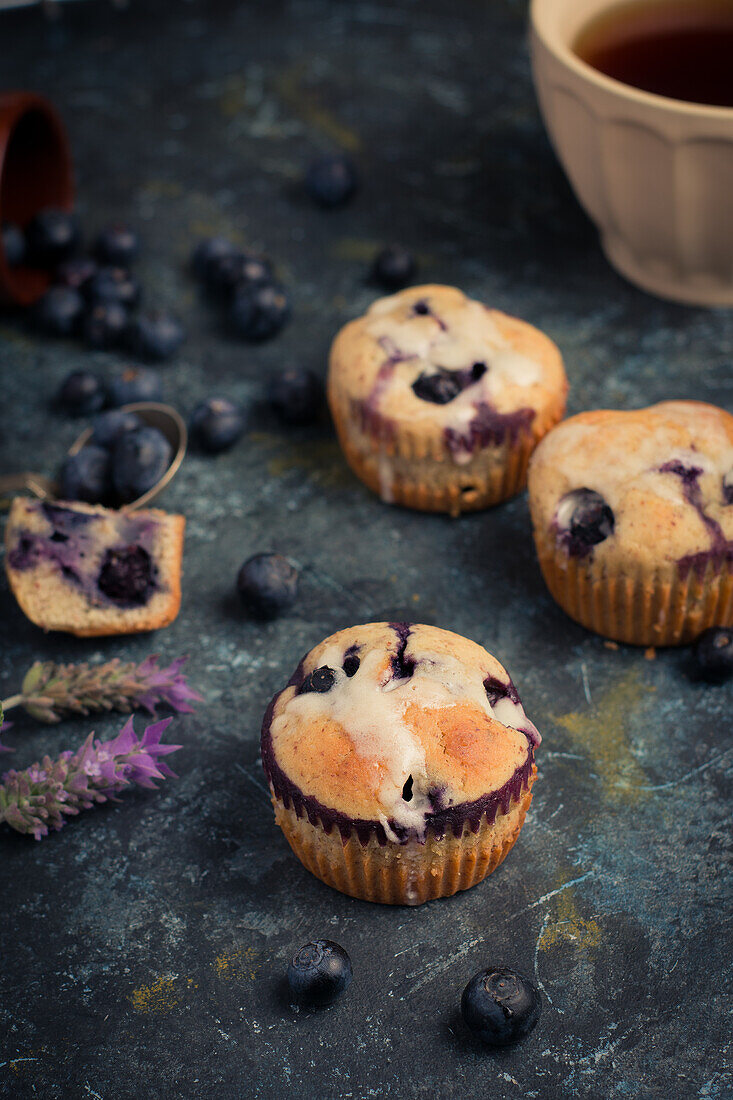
column 439, row 401
column 400, row 762
column 90, row 570
column 633, row 520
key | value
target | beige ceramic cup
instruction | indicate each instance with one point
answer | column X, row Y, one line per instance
column 654, row 174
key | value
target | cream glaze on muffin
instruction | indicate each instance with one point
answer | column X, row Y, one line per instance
column 418, row 729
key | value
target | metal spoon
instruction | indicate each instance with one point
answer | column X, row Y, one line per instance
column 163, row 417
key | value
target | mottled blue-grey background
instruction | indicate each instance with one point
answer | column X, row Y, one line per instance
column 143, row 947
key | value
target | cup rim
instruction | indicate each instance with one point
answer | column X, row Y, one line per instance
column 563, row 53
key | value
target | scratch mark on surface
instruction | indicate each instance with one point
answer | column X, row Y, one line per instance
column 688, row 775
column 586, row 684
column 468, row 945
column 263, row 790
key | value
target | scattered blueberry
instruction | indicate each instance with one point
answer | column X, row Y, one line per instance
column 52, row 236
column 216, row 424
column 134, row 384
column 394, row 267
column 81, row 393
column 208, row 251
column 296, row 395
column 319, row 972
column 85, row 476
column 13, row 244
column 108, row 425
column 714, row 653
column 331, row 181
column 75, row 272
column 126, row 575
column 259, row 312
column 227, row 272
column 267, row 585
column 117, row 245
column 584, row 519
column 139, row 460
column 500, row 1006
column 58, row 311
column 155, row 336
column 320, row 680
column 105, row 325
column 113, row 284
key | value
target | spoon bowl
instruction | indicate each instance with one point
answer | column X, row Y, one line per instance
column 152, row 413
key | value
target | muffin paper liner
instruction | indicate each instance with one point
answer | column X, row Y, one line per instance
column 667, row 606
column 409, row 873
column 404, row 464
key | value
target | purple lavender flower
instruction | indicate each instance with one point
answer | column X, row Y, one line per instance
column 51, row 692
column 37, row 799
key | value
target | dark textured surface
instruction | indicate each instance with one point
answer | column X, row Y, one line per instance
column 143, row 947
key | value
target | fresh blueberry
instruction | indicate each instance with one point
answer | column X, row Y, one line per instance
column 117, row 245
column 139, row 460
column 296, row 395
column 351, row 665
column 320, row 680
column 331, row 181
column 267, row 585
column 52, row 236
column 113, row 284
column 208, row 251
column 155, row 336
column 104, row 325
column 85, row 476
column 714, row 653
column 500, row 1006
column 319, row 972
column 75, row 272
column 108, row 425
column 225, row 273
column 134, row 384
column 394, row 267
column 584, row 519
column 58, row 311
column 127, row 575
column 81, row 393
column 259, row 312
column 13, row 244
column 216, row 424
column 438, row 388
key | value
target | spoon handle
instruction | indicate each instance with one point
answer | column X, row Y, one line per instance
column 10, row 484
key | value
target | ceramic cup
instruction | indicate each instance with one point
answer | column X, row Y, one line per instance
column 654, row 174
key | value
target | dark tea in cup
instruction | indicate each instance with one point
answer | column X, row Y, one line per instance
column 681, row 49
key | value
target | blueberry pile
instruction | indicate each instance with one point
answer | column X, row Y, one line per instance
column 123, row 458
column 95, row 297
column 244, row 284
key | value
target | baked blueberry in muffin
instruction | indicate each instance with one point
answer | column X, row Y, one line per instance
column 633, row 520
column 90, row 570
column 400, row 762
column 439, row 400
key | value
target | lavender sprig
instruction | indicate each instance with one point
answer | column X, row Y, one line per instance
column 51, row 692
column 36, row 800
